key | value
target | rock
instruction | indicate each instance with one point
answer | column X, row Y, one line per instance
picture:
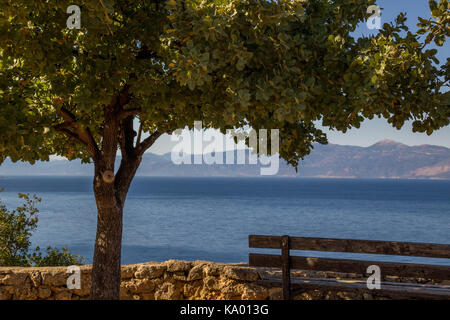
column 192, row 290
column 127, row 272
column 5, row 271
column 179, row 276
column 54, row 278
column 85, row 289
column 212, row 270
column 138, row 285
column 25, row 293
column 196, row 273
column 241, row 273
column 44, row 293
column 344, row 295
column 150, row 271
column 148, row 296
column 314, row 295
column 178, row 265
column 9, row 289
column 254, row 292
column 125, row 294
column 5, row 295
column 168, row 291
column 367, row 296
column 14, row 279
column 83, row 292
column 304, row 296
column 211, row 283
column 230, row 287
column 63, row 295
column 36, row 278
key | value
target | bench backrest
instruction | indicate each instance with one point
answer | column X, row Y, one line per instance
column 286, row 243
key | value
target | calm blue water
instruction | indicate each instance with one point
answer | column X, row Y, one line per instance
column 211, row 218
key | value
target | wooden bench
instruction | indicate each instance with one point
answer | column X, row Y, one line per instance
column 398, row 290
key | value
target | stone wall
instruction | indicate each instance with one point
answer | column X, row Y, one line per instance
column 168, row 280
column 161, row 281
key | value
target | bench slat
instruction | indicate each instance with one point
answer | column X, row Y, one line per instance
column 392, row 289
column 434, row 272
column 430, row 250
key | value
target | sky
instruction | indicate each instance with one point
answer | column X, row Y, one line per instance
column 373, row 131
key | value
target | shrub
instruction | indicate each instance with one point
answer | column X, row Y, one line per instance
column 16, row 228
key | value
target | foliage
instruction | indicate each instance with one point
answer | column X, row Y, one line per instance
column 437, row 28
column 265, row 64
column 16, row 228
column 55, row 257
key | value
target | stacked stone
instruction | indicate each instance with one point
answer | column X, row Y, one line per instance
column 170, row 280
column 167, row 281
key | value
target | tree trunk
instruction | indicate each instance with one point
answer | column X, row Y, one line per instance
column 110, row 189
column 110, row 194
column 108, row 244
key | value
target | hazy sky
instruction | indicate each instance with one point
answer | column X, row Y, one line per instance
column 375, row 130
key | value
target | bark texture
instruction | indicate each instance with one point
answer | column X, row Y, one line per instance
column 110, row 186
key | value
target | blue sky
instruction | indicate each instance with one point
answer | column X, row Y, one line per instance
column 372, row 131
column 378, row 129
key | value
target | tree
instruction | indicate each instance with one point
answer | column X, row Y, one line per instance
column 266, row 64
column 16, row 227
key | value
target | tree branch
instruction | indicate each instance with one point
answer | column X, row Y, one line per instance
column 147, row 143
column 82, row 135
column 70, row 134
column 112, row 125
column 138, row 139
column 129, row 112
column 124, row 176
column 126, row 139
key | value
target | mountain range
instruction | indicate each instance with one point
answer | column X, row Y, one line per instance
column 385, row 159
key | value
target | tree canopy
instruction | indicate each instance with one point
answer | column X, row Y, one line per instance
column 266, row 64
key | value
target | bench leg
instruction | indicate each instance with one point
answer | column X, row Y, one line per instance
column 286, row 268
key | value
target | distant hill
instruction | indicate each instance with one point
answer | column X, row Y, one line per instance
column 385, row 159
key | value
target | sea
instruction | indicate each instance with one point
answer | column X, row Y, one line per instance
column 211, row 218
